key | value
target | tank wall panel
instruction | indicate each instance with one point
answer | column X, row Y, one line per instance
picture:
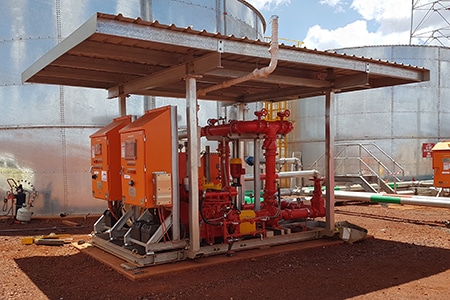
column 224, row 16
column 44, row 129
column 20, row 55
column 444, row 126
column 242, row 21
column 173, row 16
column 398, row 119
column 26, row 23
column 307, row 113
column 445, row 73
column 41, row 160
column 348, row 129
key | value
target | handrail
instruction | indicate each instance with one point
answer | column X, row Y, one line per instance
column 379, row 149
column 347, row 161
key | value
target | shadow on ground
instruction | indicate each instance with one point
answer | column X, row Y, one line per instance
column 44, row 226
column 336, row 272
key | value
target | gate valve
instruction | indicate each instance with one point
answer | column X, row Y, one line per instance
column 317, row 184
column 261, row 113
column 131, row 183
column 94, row 176
column 317, row 201
column 284, row 114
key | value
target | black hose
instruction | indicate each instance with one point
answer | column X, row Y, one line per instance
column 5, row 205
column 203, row 216
column 5, row 208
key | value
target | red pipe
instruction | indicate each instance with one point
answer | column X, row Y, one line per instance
column 220, row 195
column 292, row 210
column 270, row 129
column 224, row 152
column 240, row 127
column 259, row 126
column 316, row 209
column 270, row 147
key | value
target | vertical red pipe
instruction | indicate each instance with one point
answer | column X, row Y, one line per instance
column 270, row 129
column 270, row 153
column 224, row 152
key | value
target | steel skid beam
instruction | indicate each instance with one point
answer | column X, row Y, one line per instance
column 311, row 234
column 161, row 254
column 137, row 259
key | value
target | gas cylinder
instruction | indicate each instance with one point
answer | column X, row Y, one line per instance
column 24, row 214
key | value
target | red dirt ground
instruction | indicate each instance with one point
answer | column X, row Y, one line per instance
column 406, row 259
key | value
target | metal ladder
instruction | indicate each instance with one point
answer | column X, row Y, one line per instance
column 365, row 164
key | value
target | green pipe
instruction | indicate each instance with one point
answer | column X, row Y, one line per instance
column 400, row 199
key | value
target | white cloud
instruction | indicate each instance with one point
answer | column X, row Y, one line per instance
column 383, row 9
column 337, row 4
column 392, row 20
column 267, row 4
column 331, row 3
column 391, row 15
column 352, row 35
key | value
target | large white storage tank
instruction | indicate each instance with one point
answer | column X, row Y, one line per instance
column 399, row 119
column 44, row 129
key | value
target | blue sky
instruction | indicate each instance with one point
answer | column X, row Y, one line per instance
column 330, row 24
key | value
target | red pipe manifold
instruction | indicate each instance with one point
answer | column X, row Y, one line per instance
column 270, row 130
column 270, row 210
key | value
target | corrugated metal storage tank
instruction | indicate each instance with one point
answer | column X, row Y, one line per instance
column 398, row 119
column 44, row 130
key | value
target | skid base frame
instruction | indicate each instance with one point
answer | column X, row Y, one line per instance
column 172, row 252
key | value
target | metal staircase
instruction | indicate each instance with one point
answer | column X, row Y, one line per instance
column 365, row 164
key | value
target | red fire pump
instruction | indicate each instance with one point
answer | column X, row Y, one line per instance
column 220, row 216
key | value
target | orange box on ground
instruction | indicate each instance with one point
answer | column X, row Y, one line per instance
column 441, row 164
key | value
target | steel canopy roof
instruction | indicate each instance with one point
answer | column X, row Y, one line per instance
column 131, row 56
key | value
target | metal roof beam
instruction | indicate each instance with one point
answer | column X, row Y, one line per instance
column 167, row 76
column 352, row 81
column 58, row 80
column 102, row 64
column 342, row 62
column 274, row 79
column 128, row 56
column 202, row 42
column 68, row 73
column 402, row 73
column 91, row 48
column 82, row 33
column 289, row 93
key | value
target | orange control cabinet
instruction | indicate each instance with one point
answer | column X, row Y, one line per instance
column 149, row 157
column 441, row 164
column 105, row 160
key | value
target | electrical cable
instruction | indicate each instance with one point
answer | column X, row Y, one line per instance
column 204, row 218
